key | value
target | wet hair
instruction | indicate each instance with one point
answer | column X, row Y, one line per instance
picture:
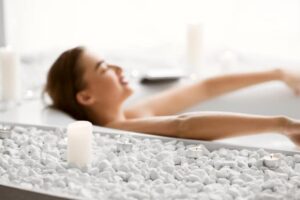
column 64, row 81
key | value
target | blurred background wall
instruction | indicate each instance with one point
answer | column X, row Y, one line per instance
column 264, row 27
column 150, row 32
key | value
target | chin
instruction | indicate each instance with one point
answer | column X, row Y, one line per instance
column 128, row 88
column 129, row 91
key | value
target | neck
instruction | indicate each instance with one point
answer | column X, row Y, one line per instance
column 103, row 116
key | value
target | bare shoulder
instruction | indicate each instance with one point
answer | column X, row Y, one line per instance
column 159, row 125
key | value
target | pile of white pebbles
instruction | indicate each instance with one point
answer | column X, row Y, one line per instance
column 126, row 167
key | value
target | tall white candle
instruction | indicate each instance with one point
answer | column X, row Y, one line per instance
column 10, row 74
column 79, row 150
column 194, row 47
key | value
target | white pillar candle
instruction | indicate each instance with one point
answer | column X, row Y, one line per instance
column 10, row 74
column 194, row 47
column 79, row 150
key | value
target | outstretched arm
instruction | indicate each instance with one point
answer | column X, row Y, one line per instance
column 177, row 99
column 212, row 125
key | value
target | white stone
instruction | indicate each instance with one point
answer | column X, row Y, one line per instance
column 242, row 164
column 19, row 129
column 4, row 162
column 163, row 155
column 153, row 163
column 221, row 163
column 153, row 174
column 23, row 172
column 177, row 160
column 17, row 162
column 168, row 168
column 9, row 143
column 35, row 180
column 192, row 178
column 297, row 167
column 223, row 181
column 141, row 156
column 247, row 177
column 60, row 183
column 268, row 195
column 103, row 165
column 262, row 152
column 2, row 171
column 137, row 195
column 223, row 173
column 94, row 171
column 26, row 185
column 238, row 181
column 123, row 167
column 133, row 168
column 23, row 140
column 234, row 192
column 178, row 175
column 297, row 158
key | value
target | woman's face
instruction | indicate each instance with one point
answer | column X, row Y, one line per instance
column 105, row 82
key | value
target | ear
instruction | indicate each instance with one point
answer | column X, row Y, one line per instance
column 85, row 98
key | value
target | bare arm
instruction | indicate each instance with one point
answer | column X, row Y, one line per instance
column 177, row 99
column 215, row 125
column 211, row 125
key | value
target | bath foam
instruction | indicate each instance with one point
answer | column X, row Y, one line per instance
column 127, row 167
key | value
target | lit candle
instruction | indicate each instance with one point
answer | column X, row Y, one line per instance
column 79, row 150
column 10, row 74
column 194, row 47
column 124, row 146
column 195, row 152
column 271, row 161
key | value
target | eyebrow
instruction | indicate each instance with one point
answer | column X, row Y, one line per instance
column 98, row 64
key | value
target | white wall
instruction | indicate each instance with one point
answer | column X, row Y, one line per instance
column 264, row 27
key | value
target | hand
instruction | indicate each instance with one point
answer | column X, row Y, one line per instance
column 292, row 80
column 292, row 130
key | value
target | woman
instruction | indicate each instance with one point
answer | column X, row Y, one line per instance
column 87, row 88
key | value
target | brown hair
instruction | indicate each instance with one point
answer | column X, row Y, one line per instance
column 64, row 80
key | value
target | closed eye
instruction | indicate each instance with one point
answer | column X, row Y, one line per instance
column 101, row 66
